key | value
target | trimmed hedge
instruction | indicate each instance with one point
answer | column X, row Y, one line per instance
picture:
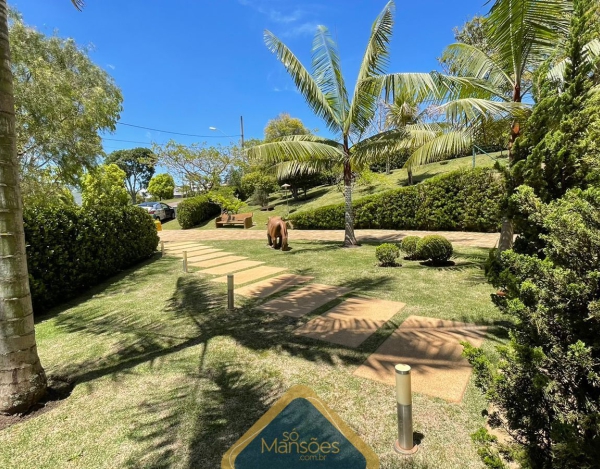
column 70, row 249
column 191, row 212
column 409, row 246
column 387, row 254
column 435, row 248
column 466, row 200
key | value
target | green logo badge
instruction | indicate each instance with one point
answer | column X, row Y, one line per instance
column 300, row 431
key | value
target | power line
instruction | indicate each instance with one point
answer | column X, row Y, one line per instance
column 176, row 133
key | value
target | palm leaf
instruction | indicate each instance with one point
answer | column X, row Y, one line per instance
column 79, row 4
column 372, row 148
column 301, row 151
column 305, row 83
column 328, row 73
column 444, row 145
column 310, row 138
column 462, row 111
column 375, row 60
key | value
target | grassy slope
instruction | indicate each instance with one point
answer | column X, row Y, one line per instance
column 327, row 195
column 167, row 378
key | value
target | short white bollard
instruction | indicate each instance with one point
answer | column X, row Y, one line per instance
column 404, row 444
column 162, row 249
column 230, row 306
column 185, row 261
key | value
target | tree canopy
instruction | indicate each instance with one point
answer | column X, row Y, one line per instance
column 162, row 186
column 104, row 185
column 63, row 102
column 284, row 125
column 138, row 164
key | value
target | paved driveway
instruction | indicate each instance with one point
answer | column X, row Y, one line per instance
column 458, row 238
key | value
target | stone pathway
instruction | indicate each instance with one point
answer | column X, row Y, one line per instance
column 352, row 322
column 249, row 275
column 269, row 287
column 432, row 348
column 304, row 300
column 458, row 238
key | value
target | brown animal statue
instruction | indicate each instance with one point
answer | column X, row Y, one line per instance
column 277, row 235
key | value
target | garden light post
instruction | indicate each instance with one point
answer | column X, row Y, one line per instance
column 285, row 188
column 185, row 261
column 162, row 249
column 230, row 293
column 404, row 444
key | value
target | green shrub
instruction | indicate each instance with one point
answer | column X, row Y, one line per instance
column 435, row 248
column 387, row 254
column 461, row 200
column 70, row 249
column 409, row 246
column 191, row 212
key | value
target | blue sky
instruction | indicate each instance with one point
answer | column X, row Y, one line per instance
column 187, row 65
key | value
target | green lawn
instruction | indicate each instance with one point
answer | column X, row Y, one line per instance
column 327, row 195
column 167, row 378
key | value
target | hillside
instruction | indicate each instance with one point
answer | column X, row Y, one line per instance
column 327, row 195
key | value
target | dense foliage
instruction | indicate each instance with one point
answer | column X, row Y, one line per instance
column 71, row 248
column 193, row 211
column 138, row 164
column 409, row 246
column 387, row 254
column 461, row 200
column 434, row 248
column 547, row 385
column 104, row 186
column 162, row 186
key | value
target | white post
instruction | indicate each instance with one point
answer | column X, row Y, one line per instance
column 162, row 249
column 185, row 261
column 230, row 305
column 404, row 443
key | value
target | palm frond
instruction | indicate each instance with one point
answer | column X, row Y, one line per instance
column 301, row 151
column 377, row 146
column 328, row 73
column 79, row 4
column 591, row 52
column 310, row 138
column 441, row 147
column 462, row 111
column 375, row 60
column 305, row 83
column 288, row 169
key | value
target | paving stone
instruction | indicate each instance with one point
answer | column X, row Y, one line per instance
column 230, row 268
column 271, row 286
column 432, row 348
column 213, row 262
column 189, row 249
column 351, row 322
column 252, row 274
column 203, row 257
column 190, row 254
column 171, row 245
column 304, row 300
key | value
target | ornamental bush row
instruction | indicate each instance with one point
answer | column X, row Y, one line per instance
column 462, row 200
column 193, row 211
column 70, row 249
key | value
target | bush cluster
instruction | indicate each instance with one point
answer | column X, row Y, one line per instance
column 191, row 212
column 461, row 200
column 409, row 246
column 435, row 248
column 70, row 249
column 387, row 254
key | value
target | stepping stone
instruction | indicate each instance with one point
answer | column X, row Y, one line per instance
column 189, row 250
column 271, row 286
column 216, row 261
column 432, row 348
column 252, row 274
column 212, row 255
column 181, row 245
column 230, row 268
column 351, row 322
column 191, row 254
column 304, row 300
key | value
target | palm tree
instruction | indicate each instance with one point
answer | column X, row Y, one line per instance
column 22, row 377
column 348, row 118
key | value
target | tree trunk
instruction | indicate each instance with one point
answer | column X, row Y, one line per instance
column 410, row 176
column 387, row 165
column 349, row 238
column 22, row 378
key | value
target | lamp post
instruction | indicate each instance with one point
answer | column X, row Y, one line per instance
column 285, row 188
column 214, row 129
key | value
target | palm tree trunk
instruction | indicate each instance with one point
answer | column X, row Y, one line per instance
column 349, row 238
column 22, row 378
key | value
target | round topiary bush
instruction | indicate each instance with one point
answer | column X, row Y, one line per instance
column 409, row 246
column 387, row 254
column 435, row 248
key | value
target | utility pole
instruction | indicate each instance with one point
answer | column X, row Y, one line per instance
column 242, row 130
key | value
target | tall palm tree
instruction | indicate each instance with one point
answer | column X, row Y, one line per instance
column 348, row 118
column 22, row 377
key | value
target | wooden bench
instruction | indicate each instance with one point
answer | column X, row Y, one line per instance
column 243, row 219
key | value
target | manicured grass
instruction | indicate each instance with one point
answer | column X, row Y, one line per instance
column 166, row 377
column 328, row 195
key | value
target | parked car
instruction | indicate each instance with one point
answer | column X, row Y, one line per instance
column 158, row 210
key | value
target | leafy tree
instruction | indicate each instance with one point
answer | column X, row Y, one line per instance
column 284, row 125
column 22, row 377
column 260, row 185
column 346, row 116
column 63, row 102
column 226, row 199
column 546, row 386
column 162, row 186
column 200, row 166
column 44, row 188
column 138, row 165
column 104, row 186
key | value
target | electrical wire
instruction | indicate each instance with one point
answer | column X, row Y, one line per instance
column 176, row 133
